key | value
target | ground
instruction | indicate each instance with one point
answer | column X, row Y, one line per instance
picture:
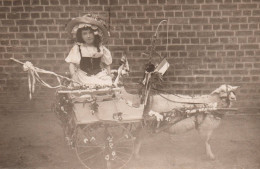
column 35, row 140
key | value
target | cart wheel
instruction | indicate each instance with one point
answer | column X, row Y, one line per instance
column 108, row 146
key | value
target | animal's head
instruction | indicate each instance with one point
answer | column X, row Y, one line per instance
column 122, row 71
column 124, row 66
column 227, row 93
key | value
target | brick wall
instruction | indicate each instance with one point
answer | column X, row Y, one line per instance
column 211, row 42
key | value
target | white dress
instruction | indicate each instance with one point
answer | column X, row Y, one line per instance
column 102, row 78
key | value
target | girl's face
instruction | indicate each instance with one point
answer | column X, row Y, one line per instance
column 88, row 37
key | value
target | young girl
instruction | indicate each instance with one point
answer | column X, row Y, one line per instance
column 89, row 61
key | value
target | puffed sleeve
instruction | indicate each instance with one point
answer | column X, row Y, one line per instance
column 106, row 58
column 74, row 55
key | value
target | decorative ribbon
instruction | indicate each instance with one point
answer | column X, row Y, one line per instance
column 33, row 76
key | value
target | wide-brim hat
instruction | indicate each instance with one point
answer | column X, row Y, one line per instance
column 96, row 23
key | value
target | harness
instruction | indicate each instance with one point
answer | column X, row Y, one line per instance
column 196, row 115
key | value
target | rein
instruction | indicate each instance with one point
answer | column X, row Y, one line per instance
column 155, row 89
column 180, row 102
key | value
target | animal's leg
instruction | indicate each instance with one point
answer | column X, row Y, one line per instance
column 206, row 129
column 208, row 147
column 142, row 133
column 137, row 147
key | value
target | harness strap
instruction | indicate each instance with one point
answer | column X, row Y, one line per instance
column 181, row 102
column 80, row 51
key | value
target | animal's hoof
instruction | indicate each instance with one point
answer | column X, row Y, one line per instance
column 137, row 156
column 212, row 158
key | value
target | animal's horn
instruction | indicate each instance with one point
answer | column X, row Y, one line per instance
column 233, row 88
column 218, row 90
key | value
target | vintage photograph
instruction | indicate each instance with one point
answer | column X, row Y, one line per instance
column 129, row 84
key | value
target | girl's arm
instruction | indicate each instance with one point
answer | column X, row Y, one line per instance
column 72, row 68
column 107, row 67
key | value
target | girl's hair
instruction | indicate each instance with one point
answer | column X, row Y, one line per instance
column 97, row 38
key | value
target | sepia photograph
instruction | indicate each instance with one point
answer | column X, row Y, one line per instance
column 129, row 84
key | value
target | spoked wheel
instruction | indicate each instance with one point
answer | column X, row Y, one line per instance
column 104, row 146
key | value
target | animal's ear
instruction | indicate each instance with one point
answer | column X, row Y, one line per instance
column 218, row 90
column 233, row 88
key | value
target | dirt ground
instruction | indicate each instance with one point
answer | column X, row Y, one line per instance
column 35, row 141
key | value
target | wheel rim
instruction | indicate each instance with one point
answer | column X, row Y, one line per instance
column 109, row 146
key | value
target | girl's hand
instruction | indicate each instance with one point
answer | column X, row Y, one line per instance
column 97, row 55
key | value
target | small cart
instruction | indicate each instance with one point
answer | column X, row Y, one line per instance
column 98, row 123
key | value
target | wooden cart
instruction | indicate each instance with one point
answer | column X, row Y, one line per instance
column 97, row 124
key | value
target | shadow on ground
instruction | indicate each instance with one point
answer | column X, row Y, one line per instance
column 35, row 140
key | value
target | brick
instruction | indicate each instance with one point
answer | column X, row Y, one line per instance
column 171, row 7
column 249, row 46
column 212, row 60
column 37, row 49
column 195, row 47
column 52, row 35
column 120, row 21
column 214, row 47
column 155, row 21
column 13, row 16
column 239, row 72
column 195, row 60
column 7, row 22
column 254, row 19
column 220, row 72
column 218, row 20
column 24, row 22
column 176, row 47
column 25, row 36
column 57, row 48
column 206, row 34
column 170, row 34
column 132, row 8
column 129, row 35
column 186, row 34
column 201, row 72
column 137, row 48
column 54, row 8
column 188, row 13
column 17, row 9
column 244, row 33
column 198, row 20
column 7, row 35
column 44, row 22
column 153, row 8
column 247, row 6
column 178, row 21
column 209, row 7
column 74, row 8
column 3, row 29
column 237, row 19
column 34, row 8
column 231, row 47
column 228, row 7
column 256, row 12
column 16, row 49
column 140, row 21
column 190, row 7
column 162, row 1
column 225, row 33
column 35, row 15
